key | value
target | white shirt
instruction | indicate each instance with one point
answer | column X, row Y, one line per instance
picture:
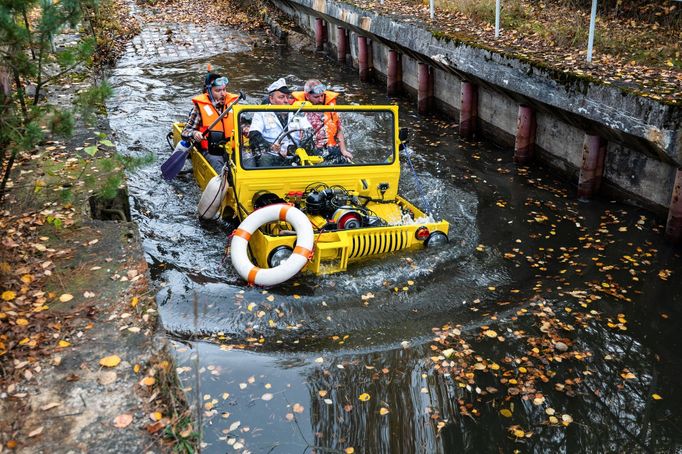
column 270, row 127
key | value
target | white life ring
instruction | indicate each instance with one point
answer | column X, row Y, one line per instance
column 292, row 265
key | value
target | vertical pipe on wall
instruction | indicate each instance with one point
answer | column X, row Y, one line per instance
column 468, row 109
column 341, row 44
column 525, row 135
column 593, row 148
column 673, row 228
column 394, row 74
column 425, row 92
column 363, row 61
column 319, row 33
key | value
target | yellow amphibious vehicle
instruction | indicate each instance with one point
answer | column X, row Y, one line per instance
column 350, row 209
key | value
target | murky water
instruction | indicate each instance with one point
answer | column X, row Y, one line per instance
column 430, row 351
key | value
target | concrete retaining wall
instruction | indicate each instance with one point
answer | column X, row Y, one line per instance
column 644, row 141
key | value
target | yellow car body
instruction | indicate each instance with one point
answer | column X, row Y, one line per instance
column 395, row 221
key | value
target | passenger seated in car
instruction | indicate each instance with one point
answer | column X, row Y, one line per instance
column 207, row 108
column 328, row 134
column 267, row 134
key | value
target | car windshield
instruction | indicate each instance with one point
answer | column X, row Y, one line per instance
column 316, row 137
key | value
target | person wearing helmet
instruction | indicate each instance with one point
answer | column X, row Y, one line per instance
column 329, row 140
column 207, row 108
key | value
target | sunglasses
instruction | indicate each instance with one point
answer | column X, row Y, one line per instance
column 317, row 90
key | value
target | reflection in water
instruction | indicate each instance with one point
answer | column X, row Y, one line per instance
column 580, row 298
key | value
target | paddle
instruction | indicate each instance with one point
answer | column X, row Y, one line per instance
column 174, row 164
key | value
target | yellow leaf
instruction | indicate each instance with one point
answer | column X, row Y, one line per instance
column 110, row 361
column 506, row 413
column 8, row 295
column 136, row 368
column 156, row 416
column 384, row 411
column 518, row 433
column 553, row 420
column 26, row 278
column 66, row 297
column 22, row 322
column 63, row 343
column 134, row 301
column 656, row 397
column 364, row 397
column 322, row 393
column 349, row 450
column 490, row 333
column 298, row 408
column 148, row 381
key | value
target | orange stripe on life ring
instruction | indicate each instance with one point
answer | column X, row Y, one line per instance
column 300, row 250
column 283, row 212
column 242, row 233
column 252, row 275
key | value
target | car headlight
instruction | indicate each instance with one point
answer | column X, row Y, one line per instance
column 436, row 239
column 278, row 255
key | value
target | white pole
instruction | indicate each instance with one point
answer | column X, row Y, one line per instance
column 590, row 39
column 432, row 8
column 497, row 18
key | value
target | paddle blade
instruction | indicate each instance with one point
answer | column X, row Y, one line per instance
column 173, row 165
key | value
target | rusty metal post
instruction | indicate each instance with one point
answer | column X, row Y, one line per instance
column 319, row 33
column 341, row 44
column 588, row 181
column 468, row 109
column 425, row 93
column 394, row 73
column 363, row 64
column 525, row 135
column 673, row 228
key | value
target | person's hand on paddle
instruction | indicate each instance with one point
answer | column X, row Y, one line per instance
column 198, row 136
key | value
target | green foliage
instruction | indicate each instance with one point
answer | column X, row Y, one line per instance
column 61, row 122
column 90, row 101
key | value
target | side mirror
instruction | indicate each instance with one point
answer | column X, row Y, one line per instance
column 404, row 134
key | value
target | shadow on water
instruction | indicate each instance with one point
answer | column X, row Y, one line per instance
column 360, row 359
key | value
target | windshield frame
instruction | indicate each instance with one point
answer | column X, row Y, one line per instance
column 238, row 142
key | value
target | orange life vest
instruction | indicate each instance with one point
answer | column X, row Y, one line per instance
column 329, row 97
column 331, row 119
column 209, row 114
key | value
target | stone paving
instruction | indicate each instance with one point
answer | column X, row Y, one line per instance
column 159, row 43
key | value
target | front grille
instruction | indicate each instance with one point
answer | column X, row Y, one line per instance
column 370, row 243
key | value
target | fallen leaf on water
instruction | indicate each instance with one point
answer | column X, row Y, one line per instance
column 123, row 421
column 266, row 396
column 110, row 361
column 506, row 413
column 66, row 297
column 490, row 333
column 364, row 397
column 289, row 417
column 349, row 450
column 322, row 393
column 656, row 397
column 384, row 411
column 298, row 408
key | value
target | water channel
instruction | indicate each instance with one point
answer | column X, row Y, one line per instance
column 546, row 324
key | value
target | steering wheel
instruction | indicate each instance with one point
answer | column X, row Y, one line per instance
column 307, row 143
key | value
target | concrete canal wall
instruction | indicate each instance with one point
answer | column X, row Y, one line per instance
column 604, row 138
